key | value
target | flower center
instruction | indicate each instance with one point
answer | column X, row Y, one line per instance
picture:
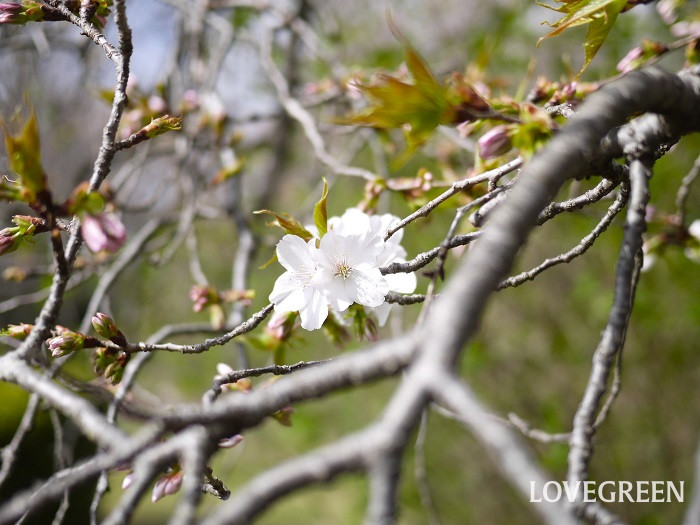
column 343, row 270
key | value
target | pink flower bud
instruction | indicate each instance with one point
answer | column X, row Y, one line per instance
column 231, row 441
column 10, row 7
column 128, row 480
column 494, row 142
column 103, row 232
column 667, row 10
column 569, row 90
column 168, row 484
column 686, row 28
column 17, row 331
column 190, row 100
column 631, row 60
column 65, row 343
column 104, row 325
column 203, row 296
column 8, row 240
column 11, row 13
column 158, row 490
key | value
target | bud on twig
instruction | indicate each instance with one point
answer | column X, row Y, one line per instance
column 17, row 331
column 230, row 442
column 110, row 363
column 168, row 484
column 103, row 232
column 494, row 142
column 11, row 13
column 8, row 240
column 67, row 342
column 105, row 327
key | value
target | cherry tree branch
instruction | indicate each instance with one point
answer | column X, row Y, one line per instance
column 581, row 248
column 613, row 338
column 101, row 168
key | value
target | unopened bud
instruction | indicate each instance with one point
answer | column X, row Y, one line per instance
column 203, row 296
column 281, row 325
column 631, row 60
column 230, row 442
column 8, row 240
column 494, row 142
column 65, row 343
column 162, row 125
column 103, row 232
column 104, row 325
column 168, row 484
column 127, row 481
column 17, row 331
column 241, row 296
column 11, row 13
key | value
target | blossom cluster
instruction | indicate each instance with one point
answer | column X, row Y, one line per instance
column 340, row 269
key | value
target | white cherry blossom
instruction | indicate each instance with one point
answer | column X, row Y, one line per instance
column 374, row 228
column 341, row 268
column 348, row 271
column 294, row 290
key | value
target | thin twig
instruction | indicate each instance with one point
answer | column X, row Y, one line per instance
column 421, row 474
column 297, row 111
column 613, row 338
column 198, row 348
column 456, row 187
column 278, row 370
column 684, row 192
column 10, row 451
column 581, row 248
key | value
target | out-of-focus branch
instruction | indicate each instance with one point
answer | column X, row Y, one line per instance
column 9, row 451
column 123, row 450
column 514, row 460
column 297, row 111
column 613, row 338
column 81, row 412
column 320, row 465
column 421, row 472
column 42, row 294
column 684, row 191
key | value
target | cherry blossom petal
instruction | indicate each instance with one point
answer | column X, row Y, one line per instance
column 334, row 290
column 367, row 286
column 382, row 312
column 401, row 282
column 294, row 254
column 288, row 294
column 315, row 312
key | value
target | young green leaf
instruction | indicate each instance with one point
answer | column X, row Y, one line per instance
column 269, row 262
column 599, row 14
column 418, row 108
column 288, row 224
column 321, row 212
column 24, row 153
